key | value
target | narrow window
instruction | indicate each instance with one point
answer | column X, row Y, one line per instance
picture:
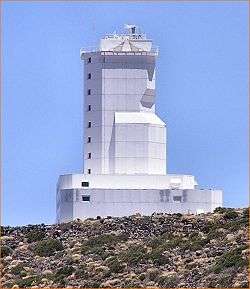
column 85, row 198
column 177, row 199
column 89, row 107
column 89, row 124
column 89, row 60
column 89, row 91
column 89, row 171
column 89, row 75
column 85, row 184
column 89, row 139
column 89, row 155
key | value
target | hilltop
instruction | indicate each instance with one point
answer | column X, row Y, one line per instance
column 162, row 250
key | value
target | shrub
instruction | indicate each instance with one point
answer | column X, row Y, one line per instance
column 34, row 236
column 65, row 271
column 168, row 281
column 5, row 251
column 134, row 254
column 48, row 247
column 230, row 259
column 62, row 273
column 220, row 210
column 230, row 214
column 245, row 216
column 28, row 282
column 156, row 255
column 115, row 265
column 105, row 239
column 17, row 269
column 81, row 272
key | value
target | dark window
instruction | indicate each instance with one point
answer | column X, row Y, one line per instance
column 85, row 184
column 89, row 171
column 89, row 75
column 85, row 198
column 89, row 60
column 89, row 124
column 89, row 107
column 89, row 139
column 177, row 199
column 89, row 155
column 89, row 91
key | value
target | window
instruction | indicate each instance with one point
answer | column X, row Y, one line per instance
column 89, row 75
column 89, row 60
column 89, row 139
column 89, row 171
column 177, row 199
column 85, row 184
column 89, row 107
column 89, row 91
column 89, row 155
column 89, row 124
column 85, row 198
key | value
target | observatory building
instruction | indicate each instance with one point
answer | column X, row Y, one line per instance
column 125, row 141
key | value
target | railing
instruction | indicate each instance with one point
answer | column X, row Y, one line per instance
column 153, row 50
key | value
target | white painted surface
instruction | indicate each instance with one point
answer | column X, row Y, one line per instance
column 126, row 140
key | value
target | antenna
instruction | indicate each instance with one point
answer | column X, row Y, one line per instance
column 131, row 28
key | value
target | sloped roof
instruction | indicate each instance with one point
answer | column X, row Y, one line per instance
column 138, row 117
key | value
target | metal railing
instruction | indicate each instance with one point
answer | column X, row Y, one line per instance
column 153, row 50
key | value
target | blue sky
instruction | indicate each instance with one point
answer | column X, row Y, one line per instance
column 202, row 93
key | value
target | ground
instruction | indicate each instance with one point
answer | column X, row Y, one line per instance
column 162, row 250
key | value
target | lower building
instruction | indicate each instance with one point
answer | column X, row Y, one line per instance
column 117, row 196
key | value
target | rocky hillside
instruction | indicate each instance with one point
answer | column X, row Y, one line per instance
column 207, row 250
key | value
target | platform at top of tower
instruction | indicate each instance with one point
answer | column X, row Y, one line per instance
column 133, row 41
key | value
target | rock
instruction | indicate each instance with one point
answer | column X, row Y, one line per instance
column 8, row 258
column 230, row 237
column 76, row 257
column 15, row 286
column 47, row 272
column 7, row 238
column 44, row 280
column 111, row 283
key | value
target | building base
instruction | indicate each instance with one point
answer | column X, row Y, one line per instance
column 83, row 203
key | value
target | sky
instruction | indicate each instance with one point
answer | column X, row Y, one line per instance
column 201, row 87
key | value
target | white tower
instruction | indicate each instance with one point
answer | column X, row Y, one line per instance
column 125, row 141
column 123, row 135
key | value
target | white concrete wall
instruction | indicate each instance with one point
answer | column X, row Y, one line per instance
column 116, row 181
column 120, row 202
column 124, row 83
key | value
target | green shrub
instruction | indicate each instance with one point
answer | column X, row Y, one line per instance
column 230, row 214
column 61, row 273
column 230, row 259
column 115, row 265
column 245, row 216
column 34, row 236
column 156, row 255
column 17, row 269
column 28, row 282
column 81, row 272
column 105, row 239
column 5, row 251
column 65, row 271
column 168, row 281
column 220, row 210
column 133, row 255
column 48, row 247
column 98, row 244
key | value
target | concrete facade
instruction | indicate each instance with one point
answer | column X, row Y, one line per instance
column 125, row 141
